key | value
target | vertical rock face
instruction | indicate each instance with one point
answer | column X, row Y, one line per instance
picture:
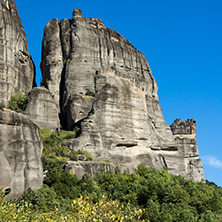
column 52, row 59
column 20, row 153
column 184, row 134
column 20, row 142
column 42, row 109
column 104, row 85
column 16, row 65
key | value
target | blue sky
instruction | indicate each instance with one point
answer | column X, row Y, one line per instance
column 182, row 41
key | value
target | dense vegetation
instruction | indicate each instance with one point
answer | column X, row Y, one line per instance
column 145, row 195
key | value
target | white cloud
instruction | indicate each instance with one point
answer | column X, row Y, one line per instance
column 212, row 161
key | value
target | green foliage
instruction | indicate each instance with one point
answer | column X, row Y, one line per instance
column 31, row 207
column 18, row 102
column 54, row 138
column 86, row 154
column 65, row 184
column 2, row 105
column 54, row 157
column 90, row 93
column 54, row 154
column 85, row 209
column 147, row 194
column 74, row 155
column 164, row 197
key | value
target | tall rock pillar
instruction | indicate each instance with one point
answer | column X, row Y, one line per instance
column 184, row 133
column 16, row 66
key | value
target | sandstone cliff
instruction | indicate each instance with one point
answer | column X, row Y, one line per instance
column 20, row 142
column 184, row 134
column 20, row 153
column 16, row 65
column 42, row 109
column 104, row 85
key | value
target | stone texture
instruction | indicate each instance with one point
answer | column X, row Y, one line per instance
column 16, row 66
column 184, row 133
column 5, row 173
column 80, row 168
column 105, row 87
column 42, row 108
column 20, row 153
column 52, row 59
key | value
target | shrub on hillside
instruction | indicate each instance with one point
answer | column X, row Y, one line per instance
column 18, row 102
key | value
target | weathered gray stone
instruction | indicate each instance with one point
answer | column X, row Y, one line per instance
column 80, row 168
column 16, row 65
column 20, row 153
column 105, row 75
column 185, row 133
column 52, row 59
column 107, row 89
column 42, row 108
column 5, row 173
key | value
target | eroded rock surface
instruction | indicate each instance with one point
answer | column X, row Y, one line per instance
column 184, row 133
column 42, row 108
column 80, row 168
column 20, row 153
column 104, row 85
column 16, row 65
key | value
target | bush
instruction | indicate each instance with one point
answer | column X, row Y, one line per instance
column 86, row 154
column 85, row 209
column 90, row 93
column 2, row 105
column 56, row 155
column 18, row 102
column 54, row 138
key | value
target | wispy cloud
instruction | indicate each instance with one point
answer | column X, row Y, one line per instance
column 212, row 161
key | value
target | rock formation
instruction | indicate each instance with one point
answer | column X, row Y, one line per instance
column 20, row 153
column 20, row 142
column 184, row 134
column 96, row 80
column 104, row 85
column 80, row 168
column 16, row 65
column 42, row 109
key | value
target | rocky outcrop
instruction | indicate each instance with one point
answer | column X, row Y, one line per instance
column 52, row 59
column 184, row 134
column 42, row 108
column 20, row 153
column 80, row 168
column 104, row 85
column 16, row 65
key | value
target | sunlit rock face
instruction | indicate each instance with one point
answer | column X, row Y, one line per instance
column 20, row 153
column 104, row 85
column 16, row 65
column 184, row 133
column 42, row 108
